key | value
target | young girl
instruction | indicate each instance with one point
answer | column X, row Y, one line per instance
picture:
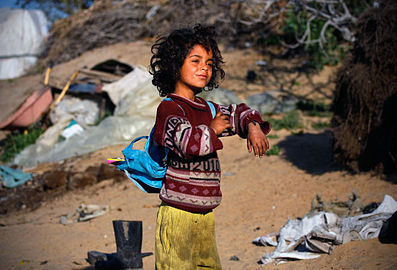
column 183, row 64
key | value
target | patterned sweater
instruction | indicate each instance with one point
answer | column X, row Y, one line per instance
column 192, row 181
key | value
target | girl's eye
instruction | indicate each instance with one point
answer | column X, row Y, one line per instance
column 195, row 61
column 210, row 64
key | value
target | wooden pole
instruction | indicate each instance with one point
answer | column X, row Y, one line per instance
column 64, row 90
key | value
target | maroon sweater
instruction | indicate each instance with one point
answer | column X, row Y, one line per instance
column 192, row 181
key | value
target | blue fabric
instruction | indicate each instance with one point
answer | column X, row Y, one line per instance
column 212, row 107
column 13, row 177
column 146, row 169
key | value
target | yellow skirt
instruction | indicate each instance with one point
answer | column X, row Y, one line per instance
column 185, row 240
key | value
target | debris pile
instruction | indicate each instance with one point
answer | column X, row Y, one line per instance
column 307, row 237
column 83, row 213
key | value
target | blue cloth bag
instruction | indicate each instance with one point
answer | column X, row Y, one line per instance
column 146, row 168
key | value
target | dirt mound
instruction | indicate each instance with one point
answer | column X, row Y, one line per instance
column 364, row 122
column 53, row 183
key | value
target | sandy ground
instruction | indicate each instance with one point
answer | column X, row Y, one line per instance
column 259, row 196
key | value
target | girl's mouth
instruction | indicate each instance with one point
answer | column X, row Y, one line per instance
column 202, row 76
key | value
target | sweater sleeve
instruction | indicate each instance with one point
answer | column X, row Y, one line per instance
column 174, row 131
column 240, row 115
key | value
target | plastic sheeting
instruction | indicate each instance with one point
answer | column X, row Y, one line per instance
column 318, row 233
column 84, row 112
column 134, row 116
column 21, row 34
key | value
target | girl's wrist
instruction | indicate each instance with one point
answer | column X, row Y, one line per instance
column 253, row 124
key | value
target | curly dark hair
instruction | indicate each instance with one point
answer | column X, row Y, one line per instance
column 170, row 52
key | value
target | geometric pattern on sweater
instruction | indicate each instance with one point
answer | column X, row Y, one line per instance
column 190, row 202
column 193, row 186
column 192, row 181
column 239, row 117
column 209, row 178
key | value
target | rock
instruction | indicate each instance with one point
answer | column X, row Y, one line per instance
column 264, row 103
column 251, row 75
column 272, row 102
column 286, row 104
column 221, row 96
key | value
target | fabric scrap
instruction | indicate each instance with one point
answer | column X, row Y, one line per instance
column 13, row 177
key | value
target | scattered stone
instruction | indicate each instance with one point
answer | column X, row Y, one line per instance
column 261, row 63
column 234, row 258
column 251, row 75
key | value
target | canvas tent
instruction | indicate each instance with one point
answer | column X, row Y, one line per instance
column 21, row 33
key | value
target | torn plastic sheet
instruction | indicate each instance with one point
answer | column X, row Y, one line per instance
column 120, row 89
column 112, row 131
column 319, row 233
column 134, row 116
column 84, row 112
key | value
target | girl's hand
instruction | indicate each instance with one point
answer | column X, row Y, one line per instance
column 256, row 140
column 220, row 123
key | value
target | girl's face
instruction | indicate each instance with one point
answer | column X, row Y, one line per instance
column 196, row 70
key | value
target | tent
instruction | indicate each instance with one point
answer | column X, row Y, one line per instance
column 21, row 34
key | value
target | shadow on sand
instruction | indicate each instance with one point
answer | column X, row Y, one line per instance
column 313, row 154
column 310, row 152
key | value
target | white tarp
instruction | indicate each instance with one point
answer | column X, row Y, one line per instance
column 313, row 234
column 21, row 34
column 134, row 116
